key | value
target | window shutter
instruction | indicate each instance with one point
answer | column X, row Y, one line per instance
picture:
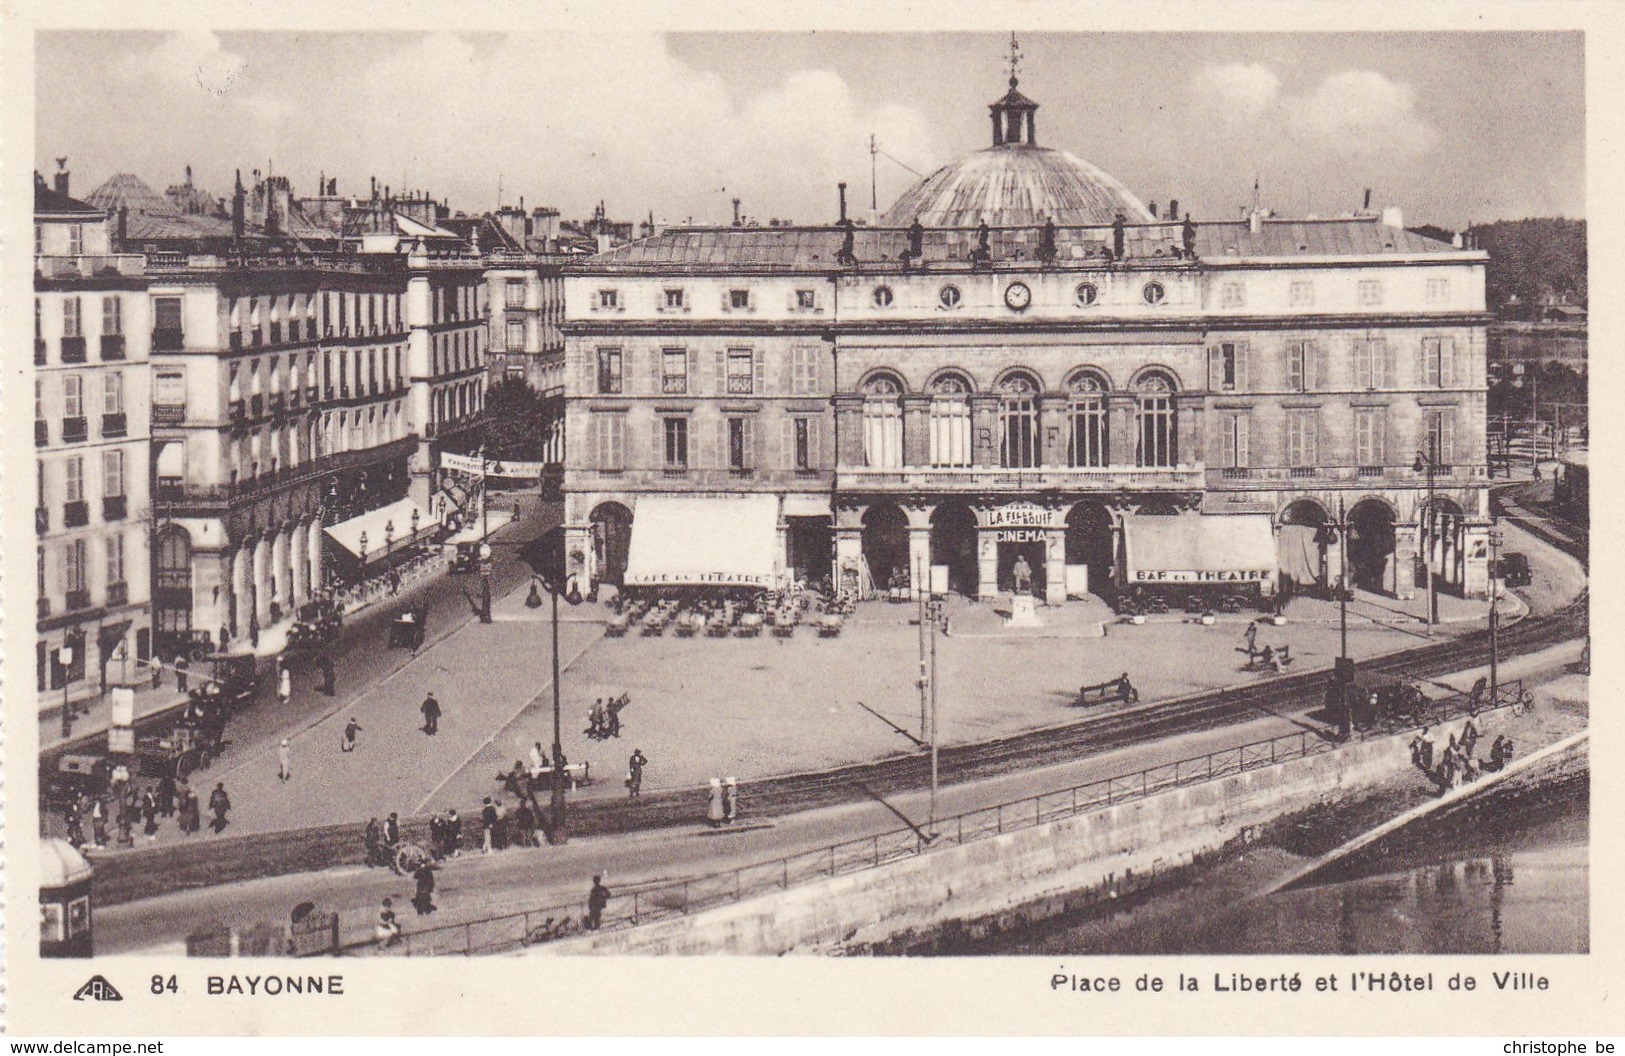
column 818, row 440
column 1422, row 356
column 1387, row 355
column 1243, row 429
column 1447, row 437
column 756, row 443
column 589, row 371
column 722, row 372
column 691, row 383
column 727, row 300
column 790, row 301
column 759, row 368
column 657, row 359
column 1379, row 436
column 1448, row 373
column 657, row 434
column 1243, row 355
column 1316, row 366
column 787, row 443
column 1215, row 368
column 722, row 444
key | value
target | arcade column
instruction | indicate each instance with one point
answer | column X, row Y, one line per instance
column 1120, row 428
column 916, row 430
column 919, row 560
column 1052, row 429
column 1055, row 566
column 1401, row 570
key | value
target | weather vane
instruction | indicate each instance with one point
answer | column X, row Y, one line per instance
column 1015, row 58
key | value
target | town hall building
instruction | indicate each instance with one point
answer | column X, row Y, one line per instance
column 1022, row 359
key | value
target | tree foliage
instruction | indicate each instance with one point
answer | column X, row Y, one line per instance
column 521, row 421
column 1531, row 259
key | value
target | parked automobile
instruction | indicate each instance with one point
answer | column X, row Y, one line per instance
column 1513, row 569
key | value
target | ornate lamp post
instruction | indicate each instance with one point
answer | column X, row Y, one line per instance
column 361, row 574
column 414, row 526
column 389, row 541
column 485, row 548
column 1426, row 464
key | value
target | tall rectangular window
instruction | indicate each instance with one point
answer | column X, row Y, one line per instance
column 803, row 444
column 113, row 392
column 76, row 239
column 73, row 396
column 1086, row 442
column 115, row 559
column 609, row 370
column 514, row 334
column 676, row 443
column 1157, row 443
column 738, row 444
column 166, row 313
column 1302, row 437
column 74, row 479
column 1371, row 363
column 882, row 433
column 75, row 567
column 1439, row 438
column 741, row 371
column 609, row 442
column 1233, row 443
column 1370, row 424
column 950, row 431
column 674, row 371
column 1438, row 362
column 513, row 295
column 72, row 319
column 1299, row 366
column 804, row 370
column 112, row 315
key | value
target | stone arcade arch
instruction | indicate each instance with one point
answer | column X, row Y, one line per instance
column 885, row 544
column 954, row 544
column 611, row 541
column 1303, row 548
column 1371, row 546
column 1091, row 543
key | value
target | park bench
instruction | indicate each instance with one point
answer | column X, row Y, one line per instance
column 1280, row 659
column 1118, row 689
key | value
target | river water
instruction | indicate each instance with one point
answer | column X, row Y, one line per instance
column 1517, row 882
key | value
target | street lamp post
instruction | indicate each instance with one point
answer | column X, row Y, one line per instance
column 935, row 613
column 64, row 658
column 1426, row 464
column 361, row 573
column 1495, row 615
column 414, row 528
column 485, row 549
column 557, row 833
column 389, row 543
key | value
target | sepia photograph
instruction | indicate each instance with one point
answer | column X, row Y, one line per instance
column 895, row 494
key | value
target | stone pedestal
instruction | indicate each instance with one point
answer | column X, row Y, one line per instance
column 1023, row 613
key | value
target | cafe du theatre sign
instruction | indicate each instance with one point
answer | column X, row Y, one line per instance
column 1020, row 522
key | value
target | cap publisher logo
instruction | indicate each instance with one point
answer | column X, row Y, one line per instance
column 98, row 989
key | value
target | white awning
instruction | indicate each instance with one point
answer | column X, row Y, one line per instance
column 806, row 505
column 1197, row 549
column 172, row 459
column 718, row 541
column 396, row 516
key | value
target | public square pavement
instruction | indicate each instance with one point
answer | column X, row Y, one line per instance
column 746, row 708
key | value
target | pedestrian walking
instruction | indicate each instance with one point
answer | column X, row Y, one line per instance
column 1251, row 638
column 1469, row 736
column 388, row 930
column 70, row 818
column 716, row 811
column 1427, row 750
column 157, row 673
column 392, row 832
column 423, row 898
column 219, row 806
column 597, row 900
column 525, row 825
column 538, row 762
column 596, row 720
column 373, row 839
column 634, row 774
column 191, row 812
column 500, row 836
column 126, row 824
column 615, row 706
column 488, row 824
column 284, row 684
column 167, row 795
column 437, row 835
column 730, row 800
column 431, row 715
column 454, row 833
column 328, row 686
column 98, row 822
column 284, row 764
column 351, row 728
column 149, row 814
column 182, row 666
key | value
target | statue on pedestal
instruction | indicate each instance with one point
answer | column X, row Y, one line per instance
column 1023, row 574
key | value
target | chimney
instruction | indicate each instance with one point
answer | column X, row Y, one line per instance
column 736, row 212
column 1173, row 209
column 843, row 201
column 238, row 198
column 1393, row 216
column 1367, row 204
column 62, row 176
column 1255, row 221
column 1151, row 207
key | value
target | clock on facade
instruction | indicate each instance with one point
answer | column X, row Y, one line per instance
column 1017, row 296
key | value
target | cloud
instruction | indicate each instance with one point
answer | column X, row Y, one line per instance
column 1361, row 110
column 1237, row 91
column 1353, row 112
column 194, row 59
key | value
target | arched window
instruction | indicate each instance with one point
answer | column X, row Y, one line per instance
column 1086, row 421
column 1157, row 442
column 950, row 421
column 883, row 422
column 1018, row 422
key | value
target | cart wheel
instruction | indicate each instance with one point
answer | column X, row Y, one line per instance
column 198, row 654
column 408, row 856
column 204, row 758
column 183, row 768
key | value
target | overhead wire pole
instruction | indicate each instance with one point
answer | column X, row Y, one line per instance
column 931, row 824
column 925, row 681
column 1495, row 615
column 557, row 832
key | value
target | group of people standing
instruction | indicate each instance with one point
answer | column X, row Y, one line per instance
column 723, row 807
column 1458, row 763
column 604, row 717
column 123, row 806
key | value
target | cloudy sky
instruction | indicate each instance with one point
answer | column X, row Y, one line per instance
column 1453, row 127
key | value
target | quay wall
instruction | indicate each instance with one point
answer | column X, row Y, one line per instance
column 1027, row 870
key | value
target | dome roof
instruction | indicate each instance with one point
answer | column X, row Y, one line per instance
column 61, row 864
column 127, row 191
column 1015, row 185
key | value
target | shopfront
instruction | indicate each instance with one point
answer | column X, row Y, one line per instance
column 1185, row 555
